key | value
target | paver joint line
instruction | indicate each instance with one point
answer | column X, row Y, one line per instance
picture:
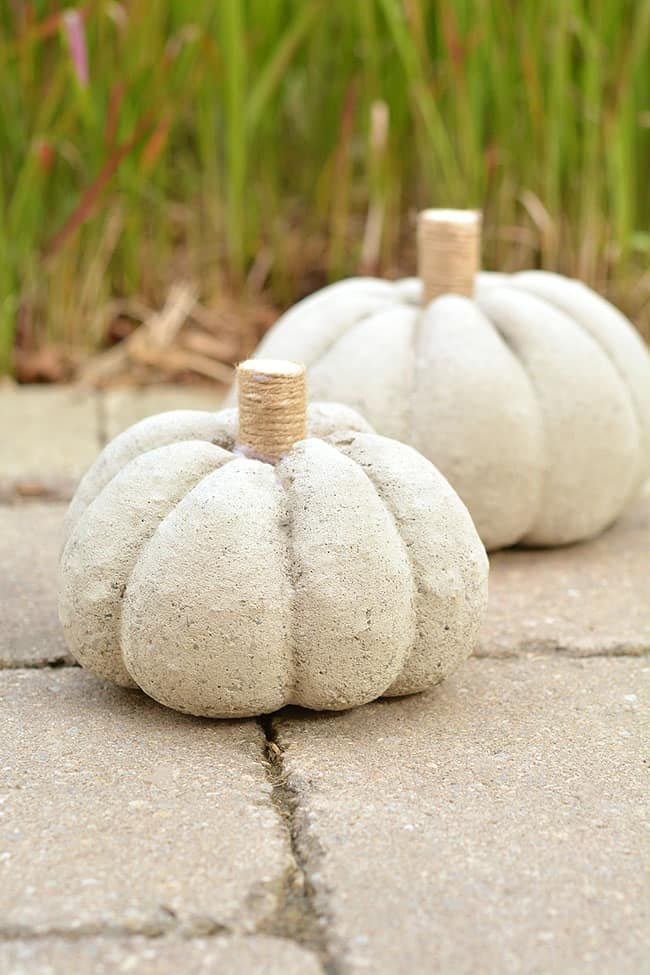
column 531, row 651
column 297, row 918
column 165, row 924
column 54, row 663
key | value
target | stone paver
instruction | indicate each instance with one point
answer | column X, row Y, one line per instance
column 48, row 434
column 123, row 407
column 229, row 955
column 584, row 599
column 492, row 825
column 30, row 537
column 120, row 814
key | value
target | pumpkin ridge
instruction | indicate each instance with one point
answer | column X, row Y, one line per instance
column 113, row 561
column 353, row 371
column 512, row 348
column 331, row 633
column 597, row 338
column 448, row 608
column 530, row 351
column 464, row 366
column 351, row 324
column 395, row 522
column 146, row 542
column 362, row 319
column 147, row 434
column 202, row 537
column 634, row 405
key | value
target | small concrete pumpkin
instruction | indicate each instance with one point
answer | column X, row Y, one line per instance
column 532, row 397
column 230, row 573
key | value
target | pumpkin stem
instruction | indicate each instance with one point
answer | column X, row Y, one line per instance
column 449, row 252
column 272, row 407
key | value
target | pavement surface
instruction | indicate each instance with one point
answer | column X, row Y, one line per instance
column 494, row 824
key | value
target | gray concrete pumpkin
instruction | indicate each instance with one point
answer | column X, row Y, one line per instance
column 225, row 585
column 529, row 392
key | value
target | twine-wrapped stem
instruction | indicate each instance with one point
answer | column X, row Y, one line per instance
column 449, row 251
column 272, row 407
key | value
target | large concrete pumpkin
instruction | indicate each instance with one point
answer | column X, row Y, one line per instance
column 529, row 392
column 229, row 573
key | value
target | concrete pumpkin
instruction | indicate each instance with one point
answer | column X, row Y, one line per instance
column 230, row 573
column 528, row 391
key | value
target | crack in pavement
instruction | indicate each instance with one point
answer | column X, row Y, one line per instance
column 549, row 648
column 297, row 917
column 54, row 663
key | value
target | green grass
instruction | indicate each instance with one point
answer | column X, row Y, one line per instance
column 212, row 133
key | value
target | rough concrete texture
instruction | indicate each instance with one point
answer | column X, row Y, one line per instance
column 124, row 407
column 99, row 556
column 30, row 541
column 493, row 824
column 48, row 437
column 592, row 598
column 163, row 429
column 553, row 436
column 448, row 563
column 212, row 581
column 119, row 815
column 159, row 430
column 220, row 955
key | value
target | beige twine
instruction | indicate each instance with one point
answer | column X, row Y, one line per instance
column 272, row 407
column 449, row 252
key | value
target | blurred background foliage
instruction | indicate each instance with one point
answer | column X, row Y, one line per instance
column 258, row 148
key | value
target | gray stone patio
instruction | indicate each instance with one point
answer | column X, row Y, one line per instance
column 494, row 824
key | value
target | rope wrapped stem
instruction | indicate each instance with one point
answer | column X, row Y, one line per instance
column 449, row 252
column 272, row 407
